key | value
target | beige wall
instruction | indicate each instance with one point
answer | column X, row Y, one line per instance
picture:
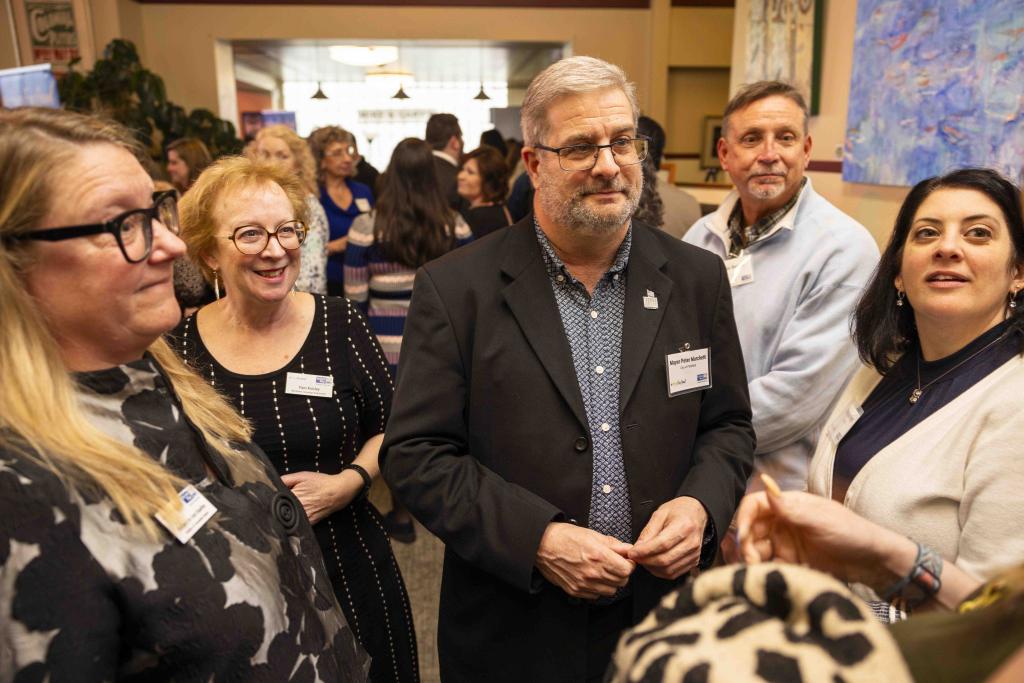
column 8, row 50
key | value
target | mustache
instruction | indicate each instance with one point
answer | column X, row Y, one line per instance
column 616, row 185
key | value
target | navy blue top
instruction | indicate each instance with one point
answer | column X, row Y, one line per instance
column 888, row 413
column 339, row 220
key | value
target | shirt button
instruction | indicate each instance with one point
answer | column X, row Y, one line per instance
column 580, row 444
column 599, row 369
column 606, row 488
column 593, row 314
column 605, row 427
column 560, row 278
column 615, row 277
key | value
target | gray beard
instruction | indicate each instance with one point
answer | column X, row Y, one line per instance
column 573, row 213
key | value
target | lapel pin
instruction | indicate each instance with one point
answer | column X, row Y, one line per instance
column 650, row 301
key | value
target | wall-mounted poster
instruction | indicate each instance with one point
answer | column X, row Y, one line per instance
column 783, row 42
column 936, row 86
column 54, row 32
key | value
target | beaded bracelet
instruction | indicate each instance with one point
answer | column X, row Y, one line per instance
column 367, row 481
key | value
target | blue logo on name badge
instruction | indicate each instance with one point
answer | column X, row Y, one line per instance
column 187, row 496
column 322, row 380
column 701, row 377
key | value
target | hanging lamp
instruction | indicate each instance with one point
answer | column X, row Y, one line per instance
column 400, row 95
column 319, row 94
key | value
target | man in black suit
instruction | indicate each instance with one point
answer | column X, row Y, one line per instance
column 571, row 416
column 445, row 137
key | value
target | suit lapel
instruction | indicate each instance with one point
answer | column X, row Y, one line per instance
column 532, row 303
column 640, row 325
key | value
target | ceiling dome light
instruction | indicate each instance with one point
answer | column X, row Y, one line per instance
column 363, row 55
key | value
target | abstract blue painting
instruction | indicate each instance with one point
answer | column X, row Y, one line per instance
column 936, row 85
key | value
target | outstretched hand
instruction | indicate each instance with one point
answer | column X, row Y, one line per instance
column 802, row 528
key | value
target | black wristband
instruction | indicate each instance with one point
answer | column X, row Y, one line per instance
column 367, row 481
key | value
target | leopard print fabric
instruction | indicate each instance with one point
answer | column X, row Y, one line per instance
column 766, row 623
column 84, row 597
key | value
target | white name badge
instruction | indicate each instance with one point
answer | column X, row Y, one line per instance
column 363, row 205
column 301, row 384
column 196, row 511
column 688, row 371
column 842, row 424
column 740, row 269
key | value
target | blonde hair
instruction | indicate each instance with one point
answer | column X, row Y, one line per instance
column 36, row 384
column 304, row 164
column 225, row 176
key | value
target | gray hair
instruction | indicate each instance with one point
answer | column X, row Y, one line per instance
column 565, row 77
column 754, row 92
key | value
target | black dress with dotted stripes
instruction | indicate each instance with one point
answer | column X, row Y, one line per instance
column 303, row 433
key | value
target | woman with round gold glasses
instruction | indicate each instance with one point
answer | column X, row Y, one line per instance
column 310, row 377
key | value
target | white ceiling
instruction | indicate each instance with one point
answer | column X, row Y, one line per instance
column 438, row 61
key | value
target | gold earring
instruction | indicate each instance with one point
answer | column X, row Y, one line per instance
column 216, row 285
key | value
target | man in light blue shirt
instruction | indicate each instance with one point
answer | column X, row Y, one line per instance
column 797, row 266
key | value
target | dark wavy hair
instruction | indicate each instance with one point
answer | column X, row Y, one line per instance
column 881, row 329
column 413, row 223
column 493, row 172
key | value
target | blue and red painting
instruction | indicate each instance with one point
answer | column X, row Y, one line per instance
column 936, row 85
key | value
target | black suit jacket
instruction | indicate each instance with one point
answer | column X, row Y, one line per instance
column 447, row 176
column 488, row 439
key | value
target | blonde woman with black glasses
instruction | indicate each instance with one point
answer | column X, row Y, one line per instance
column 142, row 534
column 308, row 374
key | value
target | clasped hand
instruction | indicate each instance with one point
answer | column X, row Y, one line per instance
column 323, row 494
column 587, row 564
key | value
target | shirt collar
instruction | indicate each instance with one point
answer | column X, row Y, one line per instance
column 719, row 223
column 555, row 267
column 441, row 155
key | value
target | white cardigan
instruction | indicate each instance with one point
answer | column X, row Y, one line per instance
column 955, row 482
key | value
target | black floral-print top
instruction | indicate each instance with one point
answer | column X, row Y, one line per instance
column 84, row 597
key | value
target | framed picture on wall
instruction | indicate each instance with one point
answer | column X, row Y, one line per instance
column 709, row 148
column 54, row 32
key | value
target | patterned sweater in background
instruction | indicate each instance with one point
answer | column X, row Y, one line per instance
column 383, row 288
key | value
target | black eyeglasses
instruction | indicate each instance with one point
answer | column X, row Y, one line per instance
column 133, row 229
column 625, row 152
column 252, row 239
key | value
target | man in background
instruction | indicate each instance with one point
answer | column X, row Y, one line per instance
column 445, row 137
column 797, row 266
column 680, row 209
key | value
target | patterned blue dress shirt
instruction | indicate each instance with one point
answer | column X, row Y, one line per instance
column 593, row 326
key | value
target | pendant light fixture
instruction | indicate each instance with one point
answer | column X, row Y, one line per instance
column 400, row 95
column 319, row 94
column 481, row 96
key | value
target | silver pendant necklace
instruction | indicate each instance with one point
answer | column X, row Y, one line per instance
column 915, row 395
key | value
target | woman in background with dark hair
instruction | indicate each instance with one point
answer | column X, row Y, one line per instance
column 410, row 225
column 186, row 159
column 483, row 183
column 925, row 441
